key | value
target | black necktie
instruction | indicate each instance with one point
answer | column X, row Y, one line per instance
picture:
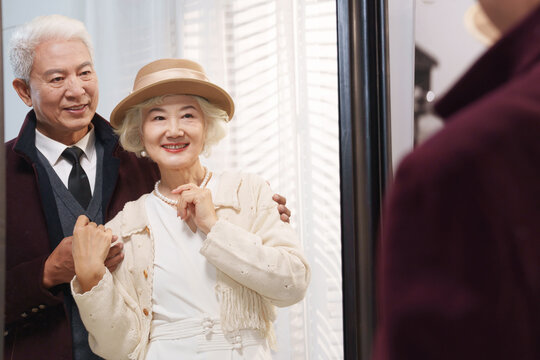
column 78, row 183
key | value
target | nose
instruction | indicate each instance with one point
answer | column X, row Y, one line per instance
column 175, row 128
column 74, row 87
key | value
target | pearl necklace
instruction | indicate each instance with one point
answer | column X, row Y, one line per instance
column 207, row 175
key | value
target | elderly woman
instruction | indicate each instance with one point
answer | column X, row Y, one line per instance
column 206, row 255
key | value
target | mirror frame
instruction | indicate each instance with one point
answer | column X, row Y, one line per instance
column 365, row 160
column 2, row 190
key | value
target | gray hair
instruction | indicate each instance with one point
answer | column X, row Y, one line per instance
column 43, row 28
column 130, row 128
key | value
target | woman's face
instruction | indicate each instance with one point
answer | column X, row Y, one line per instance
column 173, row 132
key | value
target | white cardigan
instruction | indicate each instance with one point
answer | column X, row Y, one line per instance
column 258, row 259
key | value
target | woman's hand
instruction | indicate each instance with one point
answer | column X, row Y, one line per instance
column 91, row 244
column 195, row 206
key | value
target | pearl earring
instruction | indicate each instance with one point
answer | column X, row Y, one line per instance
column 143, row 153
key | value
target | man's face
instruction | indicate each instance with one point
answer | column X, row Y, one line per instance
column 506, row 13
column 63, row 89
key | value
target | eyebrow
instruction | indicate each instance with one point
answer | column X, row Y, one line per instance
column 62, row 71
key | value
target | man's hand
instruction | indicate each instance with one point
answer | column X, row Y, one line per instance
column 59, row 266
column 115, row 256
column 284, row 212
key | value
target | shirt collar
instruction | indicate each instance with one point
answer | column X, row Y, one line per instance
column 515, row 53
column 52, row 149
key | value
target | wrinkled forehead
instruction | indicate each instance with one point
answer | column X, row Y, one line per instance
column 64, row 55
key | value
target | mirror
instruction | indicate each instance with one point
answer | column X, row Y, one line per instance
column 279, row 61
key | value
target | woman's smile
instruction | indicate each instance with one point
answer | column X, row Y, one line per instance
column 175, row 148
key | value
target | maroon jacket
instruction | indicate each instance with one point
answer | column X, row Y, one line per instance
column 459, row 265
column 37, row 326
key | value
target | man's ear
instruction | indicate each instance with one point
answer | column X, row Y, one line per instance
column 23, row 90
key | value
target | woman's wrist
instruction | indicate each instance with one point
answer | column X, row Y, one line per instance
column 207, row 227
column 90, row 276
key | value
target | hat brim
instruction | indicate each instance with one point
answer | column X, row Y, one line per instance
column 213, row 93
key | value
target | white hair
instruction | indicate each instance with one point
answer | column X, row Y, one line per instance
column 43, row 28
column 130, row 129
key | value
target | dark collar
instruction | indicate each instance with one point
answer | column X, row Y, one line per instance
column 514, row 54
column 26, row 141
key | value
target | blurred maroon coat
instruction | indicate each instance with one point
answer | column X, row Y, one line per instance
column 459, row 265
column 37, row 325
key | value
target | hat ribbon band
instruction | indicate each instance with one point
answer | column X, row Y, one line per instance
column 168, row 74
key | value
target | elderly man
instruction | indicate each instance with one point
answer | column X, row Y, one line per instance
column 459, row 274
column 65, row 162
column 53, row 65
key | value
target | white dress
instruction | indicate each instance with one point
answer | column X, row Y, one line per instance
column 185, row 323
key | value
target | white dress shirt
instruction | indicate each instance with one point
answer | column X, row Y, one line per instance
column 52, row 150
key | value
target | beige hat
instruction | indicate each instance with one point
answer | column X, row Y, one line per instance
column 479, row 25
column 172, row 76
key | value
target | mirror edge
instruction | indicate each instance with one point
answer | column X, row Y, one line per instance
column 365, row 164
column 2, row 189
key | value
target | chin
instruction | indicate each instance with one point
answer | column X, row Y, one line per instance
column 174, row 165
column 79, row 124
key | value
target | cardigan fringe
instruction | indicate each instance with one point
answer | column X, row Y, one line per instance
column 243, row 308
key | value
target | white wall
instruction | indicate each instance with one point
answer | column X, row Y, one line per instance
column 438, row 27
column 440, row 30
column 401, row 52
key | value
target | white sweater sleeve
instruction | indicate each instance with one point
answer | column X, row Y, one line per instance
column 109, row 316
column 265, row 258
column 109, row 311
